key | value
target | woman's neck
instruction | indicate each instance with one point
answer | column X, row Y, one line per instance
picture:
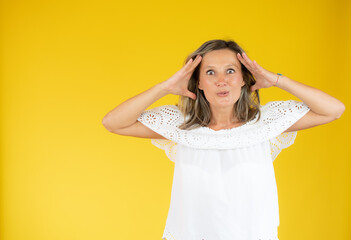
column 223, row 117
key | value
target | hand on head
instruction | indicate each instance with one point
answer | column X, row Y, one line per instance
column 178, row 83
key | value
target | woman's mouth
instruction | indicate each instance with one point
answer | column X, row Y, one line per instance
column 222, row 94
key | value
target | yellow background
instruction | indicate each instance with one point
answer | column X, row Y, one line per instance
column 65, row 64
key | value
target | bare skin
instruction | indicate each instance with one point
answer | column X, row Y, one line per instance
column 220, row 70
column 122, row 119
column 323, row 107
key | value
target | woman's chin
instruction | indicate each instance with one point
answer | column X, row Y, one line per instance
column 223, row 103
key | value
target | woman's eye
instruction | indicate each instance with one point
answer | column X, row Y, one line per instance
column 212, row 70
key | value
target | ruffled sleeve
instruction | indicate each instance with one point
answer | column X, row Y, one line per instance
column 284, row 114
column 276, row 117
column 165, row 121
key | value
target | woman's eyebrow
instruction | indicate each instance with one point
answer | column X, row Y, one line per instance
column 209, row 66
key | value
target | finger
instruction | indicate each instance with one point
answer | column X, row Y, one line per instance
column 188, row 62
column 191, row 95
column 242, row 58
column 247, row 62
column 254, row 88
column 189, row 65
column 253, row 65
column 247, row 59
column 256, row 64
column 243, row 61
column 196, row 61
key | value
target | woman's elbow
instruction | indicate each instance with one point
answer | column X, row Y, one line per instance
column 341, row 109
column 106, row 122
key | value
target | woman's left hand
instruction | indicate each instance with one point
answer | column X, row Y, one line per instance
column 264, row 78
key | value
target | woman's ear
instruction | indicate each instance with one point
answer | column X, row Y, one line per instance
column 199, row 85
column 243, row 83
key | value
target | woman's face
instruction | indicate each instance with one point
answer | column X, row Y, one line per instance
column 221, row 77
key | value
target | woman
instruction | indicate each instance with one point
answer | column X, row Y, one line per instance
column 223, row 142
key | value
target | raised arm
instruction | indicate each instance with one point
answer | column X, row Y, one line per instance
column 122, row 119
column 323, row 107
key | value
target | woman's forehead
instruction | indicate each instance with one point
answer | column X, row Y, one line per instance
column 218, row 58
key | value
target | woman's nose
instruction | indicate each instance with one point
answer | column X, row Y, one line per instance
column 221, row 81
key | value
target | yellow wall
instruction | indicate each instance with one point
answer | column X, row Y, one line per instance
column 65, row 64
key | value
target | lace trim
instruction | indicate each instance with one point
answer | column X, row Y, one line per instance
column 276, row 117
column 280, row 142
column 168, row 146
column 167, row 235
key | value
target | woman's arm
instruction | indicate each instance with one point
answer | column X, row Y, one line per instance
column 122, row 119
column 318, row 101
column 126, row 113
column 323, row 107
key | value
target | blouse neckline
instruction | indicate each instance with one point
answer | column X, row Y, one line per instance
column 225, row 129
column 276, row 116
column 231, row 129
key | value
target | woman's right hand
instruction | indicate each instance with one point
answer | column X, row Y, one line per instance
column 178, row 83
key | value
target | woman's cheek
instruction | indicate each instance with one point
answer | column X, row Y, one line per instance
column 235, row 81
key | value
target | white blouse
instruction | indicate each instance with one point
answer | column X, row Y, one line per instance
column 224, row 185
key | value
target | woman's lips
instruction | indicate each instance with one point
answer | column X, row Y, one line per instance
column 222, row 94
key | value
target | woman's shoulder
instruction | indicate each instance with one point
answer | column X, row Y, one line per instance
column 286, row 104
column 162, row 116
column 280, row 109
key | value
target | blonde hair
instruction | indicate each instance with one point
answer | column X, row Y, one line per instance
column 198, row 112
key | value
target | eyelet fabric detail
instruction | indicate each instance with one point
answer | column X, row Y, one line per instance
column 276, row 117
